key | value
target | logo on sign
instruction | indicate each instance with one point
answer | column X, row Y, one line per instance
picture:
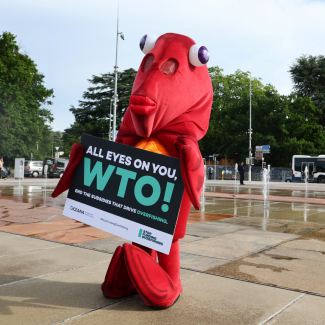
column 81, row 211
column 147, row 235
column 77, row 210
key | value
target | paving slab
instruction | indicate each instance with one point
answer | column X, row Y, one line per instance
column 37, row 263
column 52, row 298
column 205, row 300
column 215, row 252
column 200, row 263
column 262, row 234
column 282, row 226
column 32, row 212
column 189, row 239
column 55, row 297
column 256, row 239
column 210, row 229
column 84, row 233
column 19, row 220
column 306, row 244
column 4, row 235
column 42, row 227
column 106, row 245
column 19, row 244
column 185, row 274
column 307, row 310
column 292, row 267
column 248, row 246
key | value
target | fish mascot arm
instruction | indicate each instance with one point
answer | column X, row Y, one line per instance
column 74, row 160
column 192, row 169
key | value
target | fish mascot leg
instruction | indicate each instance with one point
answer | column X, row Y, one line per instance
column 117, row 283
column 158, row 285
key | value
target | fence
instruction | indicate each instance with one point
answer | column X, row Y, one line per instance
column 277, row 174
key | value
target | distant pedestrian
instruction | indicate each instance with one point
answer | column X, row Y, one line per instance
column 241, row 171
column 2, row 172
column 210, row 170
column 223, row 174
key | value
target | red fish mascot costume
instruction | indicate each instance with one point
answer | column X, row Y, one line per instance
column 168, row 113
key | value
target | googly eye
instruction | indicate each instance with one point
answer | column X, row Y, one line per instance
column 199, row 55
column 147, row 43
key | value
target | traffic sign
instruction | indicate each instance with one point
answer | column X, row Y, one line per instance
column 266, row 147
column 258, row 148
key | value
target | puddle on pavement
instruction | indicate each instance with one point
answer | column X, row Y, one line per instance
column 40, row 196
column 259, row 191
column 291, row 211
column 35, row 195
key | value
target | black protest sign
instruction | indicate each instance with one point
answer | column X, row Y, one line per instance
column 143, row 188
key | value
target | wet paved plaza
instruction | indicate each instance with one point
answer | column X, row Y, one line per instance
column 265, row 258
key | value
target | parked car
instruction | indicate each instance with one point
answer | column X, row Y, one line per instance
column 56, row 166
column 33, row 168
column 289, row 179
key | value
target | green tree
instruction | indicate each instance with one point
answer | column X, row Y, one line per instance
column 93, row 114
column 308, row 77
column 23, row 100
column 287, row 123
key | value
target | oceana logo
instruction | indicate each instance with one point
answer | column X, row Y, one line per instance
column 76, row 209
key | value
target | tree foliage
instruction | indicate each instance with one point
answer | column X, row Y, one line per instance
column 93, row 110
column 308, row 77
column 93, row 114
column 23, row 100
column 287, row 123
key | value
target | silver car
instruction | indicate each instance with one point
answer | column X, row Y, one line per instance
column 33, row 168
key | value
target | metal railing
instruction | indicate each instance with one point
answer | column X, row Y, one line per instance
column 278, row 174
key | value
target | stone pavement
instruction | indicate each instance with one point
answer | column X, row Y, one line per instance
column 242, row 262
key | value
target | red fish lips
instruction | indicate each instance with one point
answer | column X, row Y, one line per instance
column 143, row 114
column 141, row 105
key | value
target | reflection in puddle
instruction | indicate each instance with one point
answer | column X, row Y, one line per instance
column 35, row 195
column 235, row 207
column 259, row 191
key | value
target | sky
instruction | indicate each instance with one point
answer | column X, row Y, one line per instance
column 70, row 41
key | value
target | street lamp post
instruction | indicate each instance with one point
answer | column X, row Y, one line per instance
column 116, row 71
column 110, row 121
column 250, row 131
column 52, row 149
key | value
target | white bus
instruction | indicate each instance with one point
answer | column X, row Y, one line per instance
column 315, row 165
